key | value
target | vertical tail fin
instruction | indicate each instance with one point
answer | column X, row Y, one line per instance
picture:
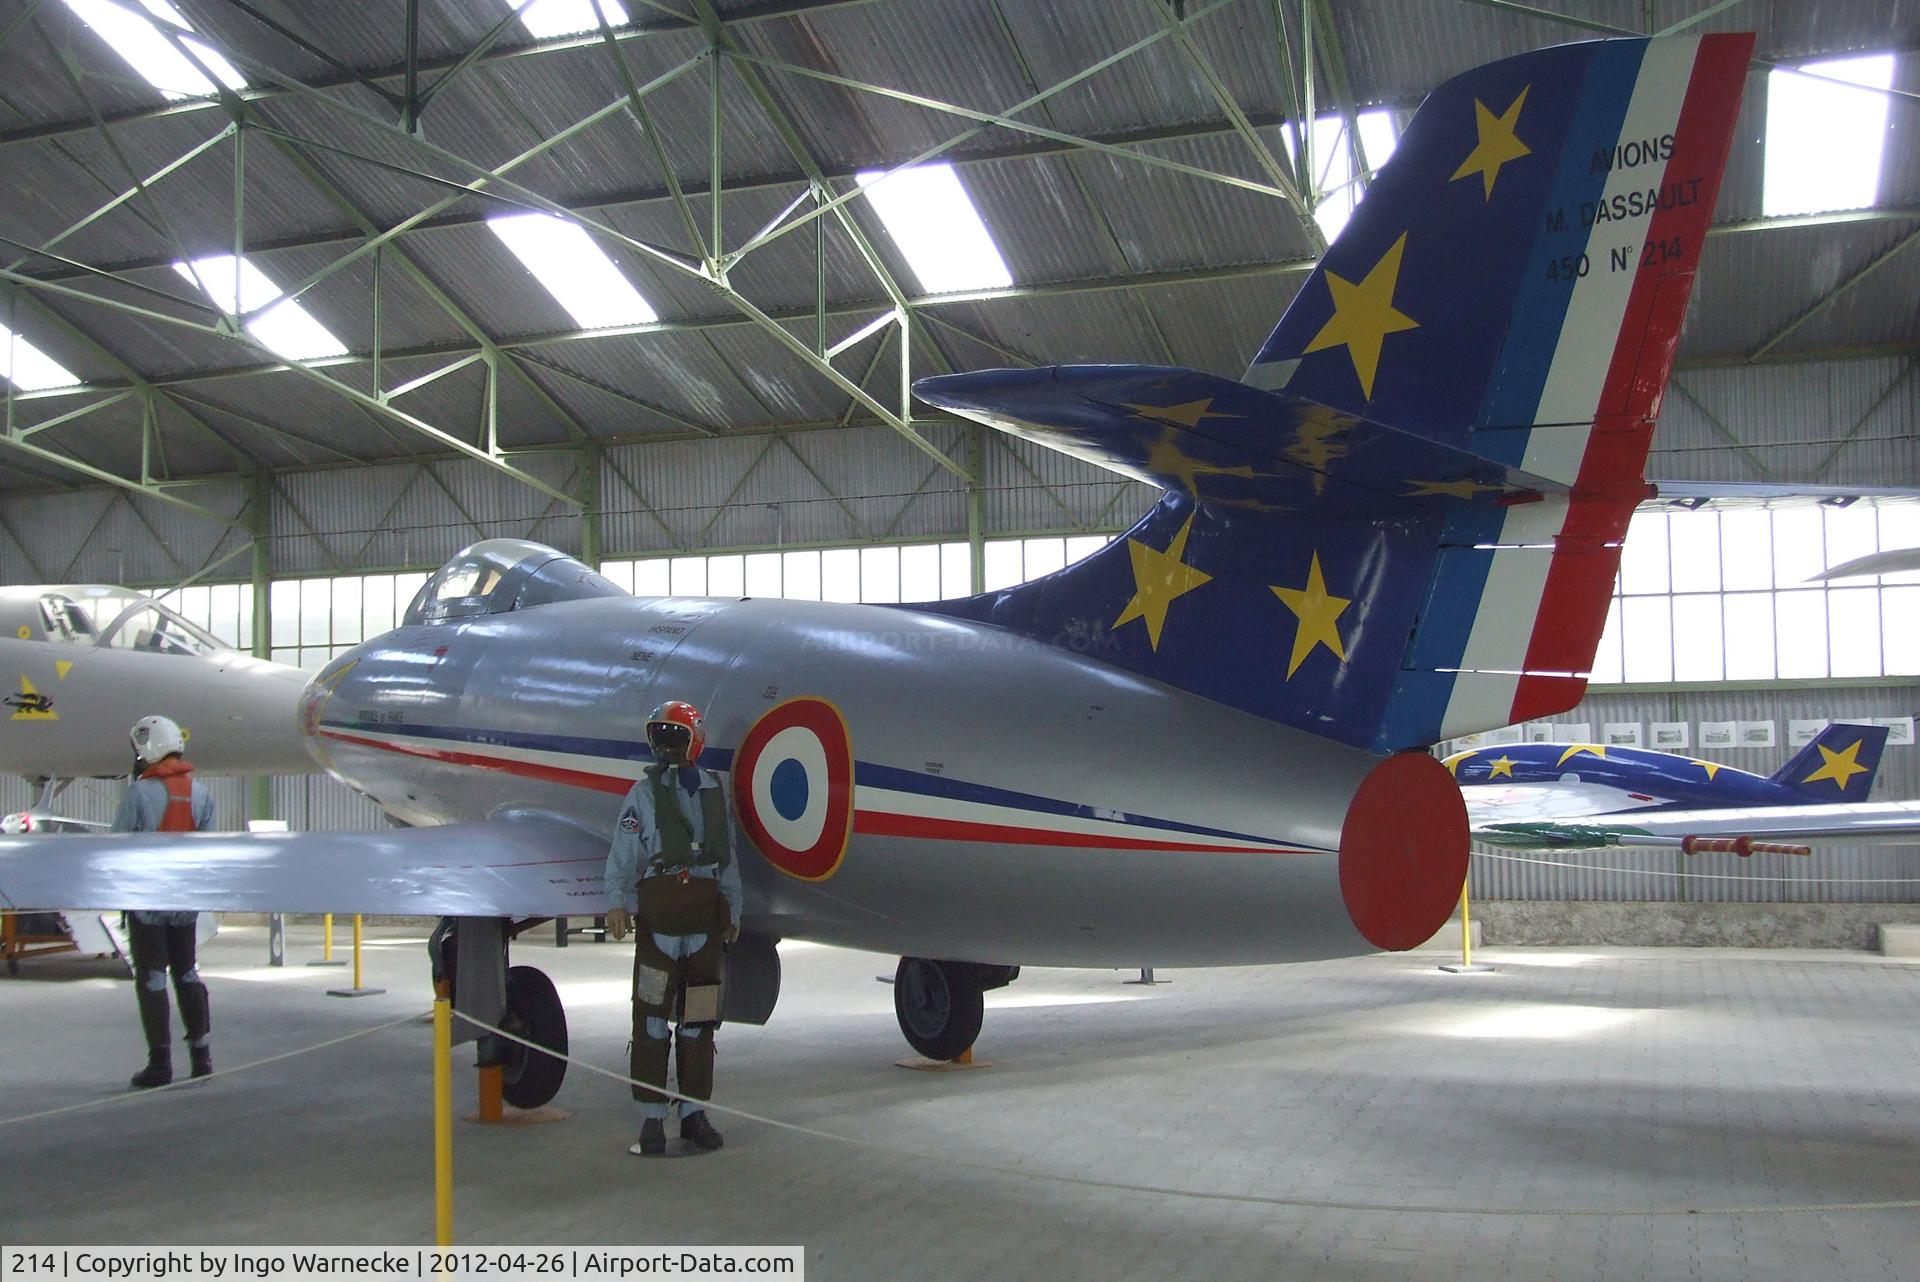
column 1839, row 765
column 1404, row 523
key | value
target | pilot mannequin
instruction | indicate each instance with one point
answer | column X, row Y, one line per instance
column 672, row 874
column 165, row 797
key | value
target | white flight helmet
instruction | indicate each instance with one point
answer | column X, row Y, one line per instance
column 156, row 738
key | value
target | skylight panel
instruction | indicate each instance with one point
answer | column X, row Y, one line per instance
column 937, row 228
column 1824, row 140
column 1339, row 191
column 548, row 18
column 136, row 36
column 28, row 368
column 575, row 270
column 287, row 329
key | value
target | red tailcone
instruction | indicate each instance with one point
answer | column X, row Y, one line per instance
column 1403, row 851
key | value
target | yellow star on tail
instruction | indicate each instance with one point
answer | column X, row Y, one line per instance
column 1453, row 763
column 1363, row 315
column 1186, row 414
column 1502, row 765
column 1840, row 766
column 1167, row 457
column 1574, row 750
column 1318, row 611
column 1711, row 767
column 1464, row 488
column 1159, row 578
column 1497, row 143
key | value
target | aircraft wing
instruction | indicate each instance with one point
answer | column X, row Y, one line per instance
column 520, row 865
column 1879, row 823
column 1498, row 803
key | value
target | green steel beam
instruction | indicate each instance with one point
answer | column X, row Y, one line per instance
column 402, row 70
column 1230, row 107
column 1835, row 294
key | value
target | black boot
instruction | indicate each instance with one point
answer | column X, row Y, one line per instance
column 653, row 1138
column 158, row 1072
column 202, row 1060
column 698, row 1131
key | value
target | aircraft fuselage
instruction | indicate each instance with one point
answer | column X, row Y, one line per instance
column 1009, row 802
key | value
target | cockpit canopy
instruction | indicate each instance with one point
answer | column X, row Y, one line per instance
column 495, row 576
column 102, row 615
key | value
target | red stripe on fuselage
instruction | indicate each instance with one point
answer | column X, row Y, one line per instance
column 876, row 823
column 525, row 769
column 1611, row 483
column 869, row 822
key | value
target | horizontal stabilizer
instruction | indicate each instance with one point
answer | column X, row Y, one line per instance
column 1225, row 442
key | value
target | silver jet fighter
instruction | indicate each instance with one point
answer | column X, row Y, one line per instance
column 1203, row 744
column 80, row 663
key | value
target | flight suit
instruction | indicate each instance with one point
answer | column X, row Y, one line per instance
column 166, row 798
column 671, row 865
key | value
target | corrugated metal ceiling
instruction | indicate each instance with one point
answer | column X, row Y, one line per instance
column 1060, row 219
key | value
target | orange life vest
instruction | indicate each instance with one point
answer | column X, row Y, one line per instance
column 176, row 776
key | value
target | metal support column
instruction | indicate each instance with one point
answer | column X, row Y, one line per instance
column 260, row 524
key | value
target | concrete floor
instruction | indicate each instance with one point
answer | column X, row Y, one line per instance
column 1567, row 1082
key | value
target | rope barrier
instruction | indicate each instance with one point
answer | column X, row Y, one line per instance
column 1203, row 1195
column 196, row 1081
column 1703, row 876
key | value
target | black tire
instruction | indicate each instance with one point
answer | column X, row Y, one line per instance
column 529, row 1078
column 939, row 1007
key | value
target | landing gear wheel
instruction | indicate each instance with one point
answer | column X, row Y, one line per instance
column 938, row 1005
column 529, row 1078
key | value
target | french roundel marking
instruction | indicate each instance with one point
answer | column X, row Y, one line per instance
column 793, row 787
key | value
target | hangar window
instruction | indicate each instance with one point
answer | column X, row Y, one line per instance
column 575, row 270
column 27, row 367
column 937, row 228
column 1335, row 188
column 138, row 37
column 316, row 619
column 874, row 573
column 1826, row 132
column 1734, row 596
column 549, row 18
column 237, row 285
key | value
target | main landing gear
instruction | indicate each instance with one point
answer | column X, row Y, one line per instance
column 469, row 956
column 939, row 1005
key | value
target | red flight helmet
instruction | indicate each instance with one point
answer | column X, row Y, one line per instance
column 675, row 722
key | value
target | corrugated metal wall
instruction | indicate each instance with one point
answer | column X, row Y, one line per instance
column 1837, row 422
column 1838, row 874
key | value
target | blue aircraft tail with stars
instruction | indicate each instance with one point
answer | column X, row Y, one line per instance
column 1403, row 523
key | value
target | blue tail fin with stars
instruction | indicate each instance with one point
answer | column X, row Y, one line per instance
column 1403, row 523
column 1839, row 765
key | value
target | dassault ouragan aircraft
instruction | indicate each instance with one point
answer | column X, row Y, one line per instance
column 1191, row 748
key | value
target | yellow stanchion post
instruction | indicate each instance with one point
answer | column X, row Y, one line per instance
column 1465, row 965
column 358, row 989
column 1466, row 929
column 326, row 945
column 443, row 1121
